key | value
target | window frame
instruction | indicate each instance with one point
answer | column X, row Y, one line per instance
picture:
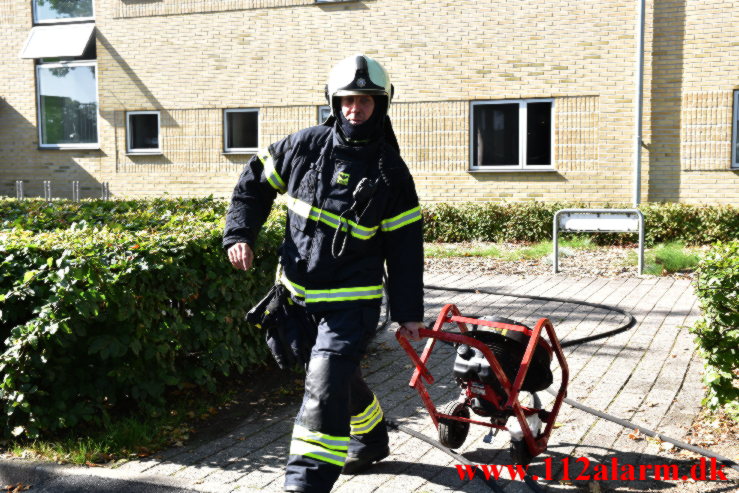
column 735, row 132
column 318, row 112
column 239, row 150
column 129, row 135
column 522, row 137
column 36, row 21
column 61, row 64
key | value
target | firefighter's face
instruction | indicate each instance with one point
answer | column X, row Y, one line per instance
column 357, row 109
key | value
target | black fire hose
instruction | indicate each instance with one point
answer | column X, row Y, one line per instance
column 621, row 328
column 646, row 431
column 393, row 424
column 631, row 321
column 626, row 326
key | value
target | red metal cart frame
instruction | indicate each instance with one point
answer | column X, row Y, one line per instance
column 507, row 403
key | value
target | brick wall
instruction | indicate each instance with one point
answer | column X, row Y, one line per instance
column 695, row 74
column 191, row 59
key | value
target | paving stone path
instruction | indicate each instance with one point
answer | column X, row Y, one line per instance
column 649, row 375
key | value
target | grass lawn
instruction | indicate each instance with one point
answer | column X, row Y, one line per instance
column 669, row 257
column 662, row 259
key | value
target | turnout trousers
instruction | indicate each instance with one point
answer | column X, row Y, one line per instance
column 340, row 415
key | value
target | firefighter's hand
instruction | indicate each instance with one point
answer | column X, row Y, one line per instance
column 241, row 256
column 410, row 330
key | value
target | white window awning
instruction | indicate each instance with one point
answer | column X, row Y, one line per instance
column 69, row 40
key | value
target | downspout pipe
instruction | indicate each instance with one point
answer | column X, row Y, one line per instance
column 638, row 106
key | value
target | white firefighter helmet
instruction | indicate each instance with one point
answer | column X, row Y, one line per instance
column 357, row 75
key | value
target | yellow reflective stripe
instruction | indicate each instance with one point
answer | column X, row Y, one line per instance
column 307, row 211
column 402, row 219
column 360, row 429
column 339, row 294
column 329, row 441
column 367, row 412
column 368, row 419
column 343, row 294
column 273, row 177
column 320, row 446
column 299, row 207
column 299, row 447
column 295, row 289
column 352, row 223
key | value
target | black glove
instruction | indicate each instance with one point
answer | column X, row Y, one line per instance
column 289, row 335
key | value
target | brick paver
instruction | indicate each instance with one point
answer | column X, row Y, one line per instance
column 649, row 374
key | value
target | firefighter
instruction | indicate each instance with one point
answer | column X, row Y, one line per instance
column 352, row 209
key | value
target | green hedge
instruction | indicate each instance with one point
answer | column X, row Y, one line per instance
column 104, row 305
column 717, row 332
column 99, row 320
column 532, row 221
column 487, row 221
column 117, row 215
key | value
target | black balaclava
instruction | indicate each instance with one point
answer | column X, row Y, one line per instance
column 368, row 131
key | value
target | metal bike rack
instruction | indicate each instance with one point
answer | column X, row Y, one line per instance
column 599, row 221
column 105, row 190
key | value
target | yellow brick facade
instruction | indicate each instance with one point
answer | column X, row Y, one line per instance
column 191, row 59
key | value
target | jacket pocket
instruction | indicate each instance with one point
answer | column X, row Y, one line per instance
column 301, row 213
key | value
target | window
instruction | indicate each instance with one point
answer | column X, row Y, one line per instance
column 67, row 102
column 66, row 73
column 323, row 113
column 50, row 11
column 511, row 135
column 142, row 130
column 240, row 131
column 63, row 41
column 735, row 140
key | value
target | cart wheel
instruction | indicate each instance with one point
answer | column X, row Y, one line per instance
column 519, row 450
column 452, row 433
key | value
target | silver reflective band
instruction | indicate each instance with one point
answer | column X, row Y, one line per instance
column 368, row 426
column 299, row 207
column 295, row 289
column 368, row 419
column 326, row 448
column 299, row 447
column 339, row 294
column 270, row 173
column 345, row 294
column 401, row 219
column 307, row 211
column 328, row 441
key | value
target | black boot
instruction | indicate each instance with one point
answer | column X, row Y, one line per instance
column 356, row 464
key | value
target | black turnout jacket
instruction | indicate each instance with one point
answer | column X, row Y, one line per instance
column 337, row 238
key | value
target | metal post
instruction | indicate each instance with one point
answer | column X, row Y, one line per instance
column 638, row 104
column 47, row 190
column 555, row 243
column 19, row 189
column 105, row 190
column 75, row 191
column 641, row 242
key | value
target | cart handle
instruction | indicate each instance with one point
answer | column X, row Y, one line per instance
column 420, row 366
